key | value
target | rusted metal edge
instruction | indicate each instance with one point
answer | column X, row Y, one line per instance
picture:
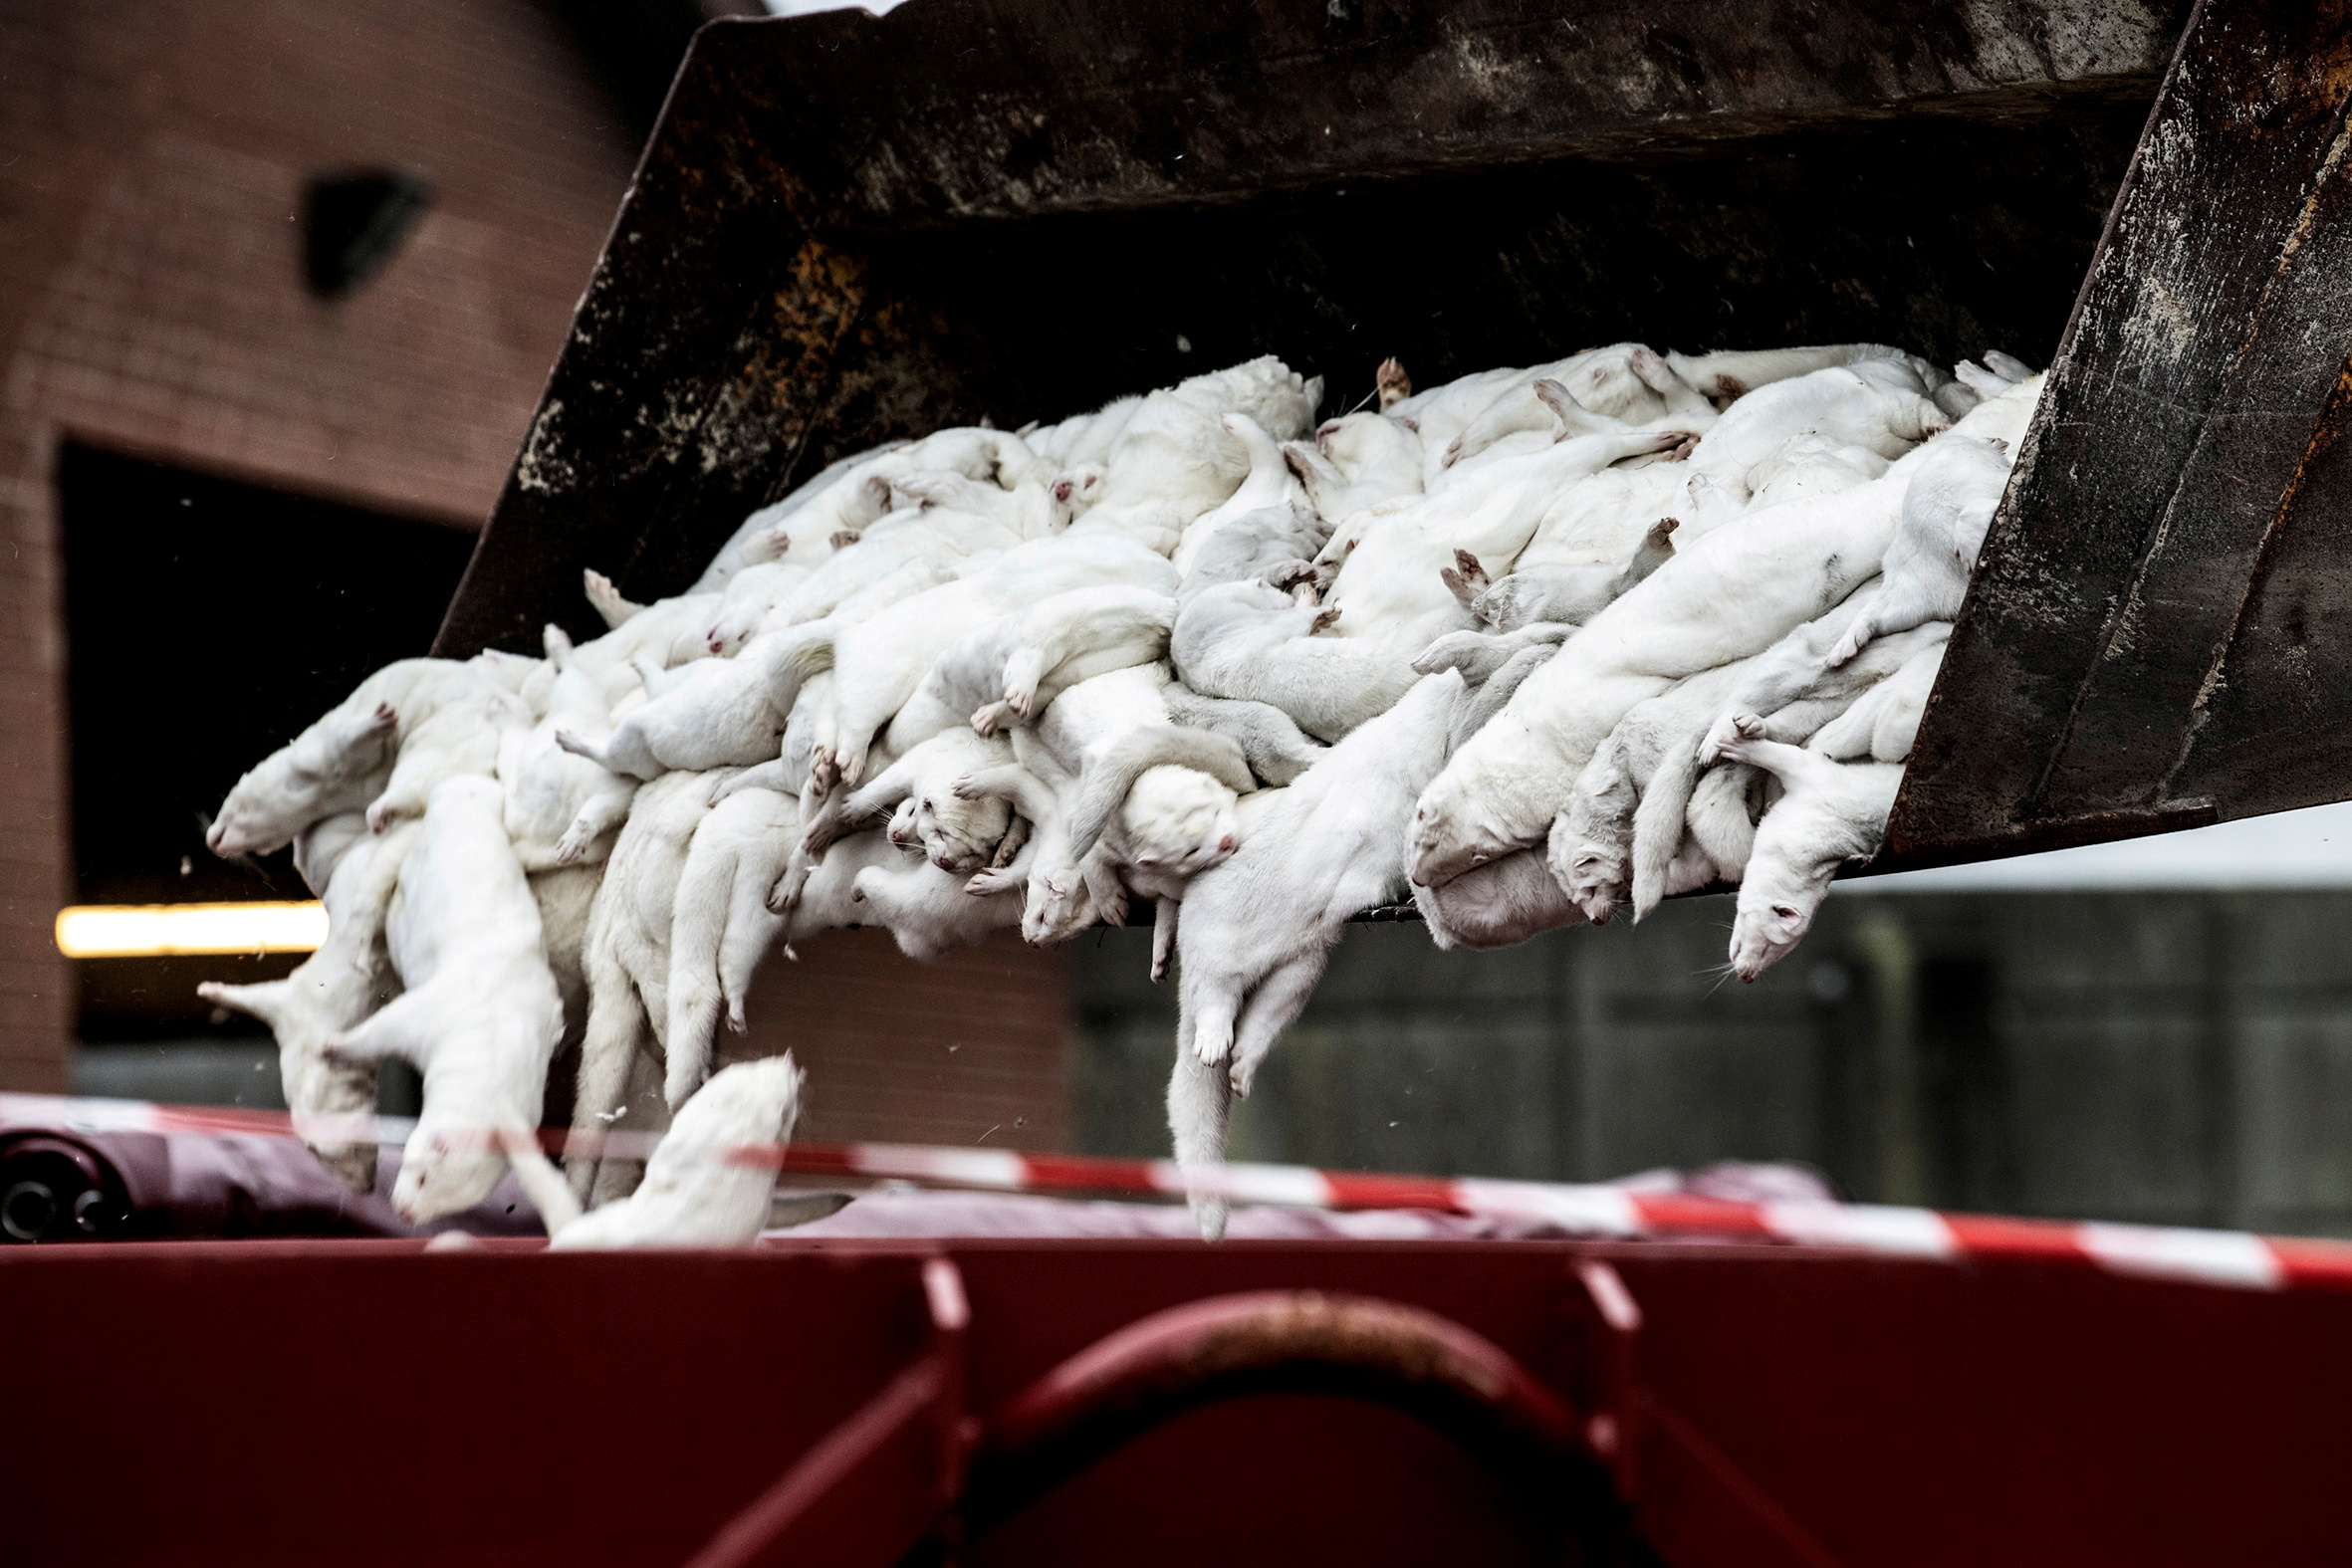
column 994, row 113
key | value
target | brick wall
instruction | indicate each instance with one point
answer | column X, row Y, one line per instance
column 973, row 1049
column 152, row 159
column 152, row 155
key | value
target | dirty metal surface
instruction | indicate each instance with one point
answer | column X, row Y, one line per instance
column 2157, row 636
column 999, row 107
column 830, row 243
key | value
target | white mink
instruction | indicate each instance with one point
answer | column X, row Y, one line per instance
column 1557, row 595
column 1600, row 520
column 698, row 1189
column 920, row 549
column 1810, row 465
column 561, row 808
column 1946, row 512
column 1730, row 374
column 348, row 976
column 1174, row 461
column 721, row 926
column 956, row 836
column 1884, row 721
column 1152, row 811
column 928, row 911
column 1034, row 509
column 1007, row 672
column 713, row 713
column 1269, row 483
column 459, row 734
column 1497, row 905
column 1795, row 672
column 668, row 632
column 1084, row 439
column 1392, row 579
column 481, row 1016
column 1830, row 814
column 1692, row 830
column 808, row 530
column 1272, row 742
column 341, row 763
column 1259, row 928
column 1481, row 655
column 1731, row 595
column 1591, row 842
column 1252, row 642
column 720, row 712
column 532, row 680
column 1079, row 756
column 1357, row 461
column 1623, row 382
column 564, row 897
column 1880, row 405
column 822, row 895
column 878, row 663
column 321, row 847
column 765, row 536
column 752, row 596
column 628, row 959
column 1278, row 544
column 1056, row 899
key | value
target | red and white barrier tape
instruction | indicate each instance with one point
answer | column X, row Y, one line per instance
column 2219, row 1257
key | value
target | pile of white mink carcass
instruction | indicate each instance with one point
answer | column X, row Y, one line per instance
column 1525, row 647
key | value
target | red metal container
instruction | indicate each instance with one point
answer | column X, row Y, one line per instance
column 1142, row 1403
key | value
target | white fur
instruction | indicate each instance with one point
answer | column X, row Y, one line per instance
column 956, row 836
column 1392, row 579
column 1174, row 460
column 1250, row 641
column 1733, row 373
column 1357, row 461
column 1884, row 721
column 1832, row 813
column 1731, row 595
column 1005, row 673
column 721, row 926
column 1880, row 405
column 335, row 988
column 1627, row 382
column 1259, row 928
column 1269, row 483
column 628, row 956
column 481, row 1014
column 752, row 596
column 561, row 808
column 1946, row 512
column 879, row 664
column 699, row 1190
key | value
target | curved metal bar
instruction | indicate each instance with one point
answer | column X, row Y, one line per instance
column 1276, row 1341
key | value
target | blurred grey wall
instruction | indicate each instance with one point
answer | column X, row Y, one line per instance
column 2174, row 1057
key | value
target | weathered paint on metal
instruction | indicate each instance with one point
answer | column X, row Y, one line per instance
column 1020, row 107
column 2151, row 640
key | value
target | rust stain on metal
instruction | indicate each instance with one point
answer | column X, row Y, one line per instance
column 1312, row 1327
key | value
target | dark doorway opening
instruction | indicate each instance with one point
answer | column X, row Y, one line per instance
column 207, row 622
